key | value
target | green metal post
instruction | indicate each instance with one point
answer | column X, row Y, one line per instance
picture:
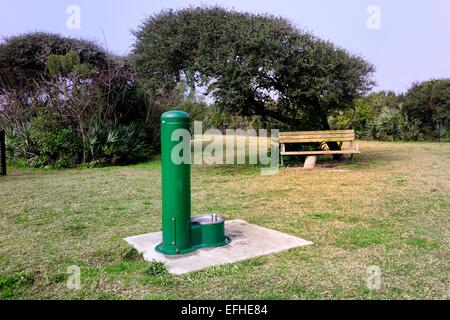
column 176, row 187
column 180, row 233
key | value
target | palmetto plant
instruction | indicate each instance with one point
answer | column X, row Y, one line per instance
column 394, row 124
column 110, row 143
column 19, row 144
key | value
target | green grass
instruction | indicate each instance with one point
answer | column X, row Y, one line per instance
column 423, row 243
column 389, row 207
column 360, row 237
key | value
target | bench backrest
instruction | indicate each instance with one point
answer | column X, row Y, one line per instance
column 317, row 136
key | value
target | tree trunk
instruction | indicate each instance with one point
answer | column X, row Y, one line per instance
column 83, row 138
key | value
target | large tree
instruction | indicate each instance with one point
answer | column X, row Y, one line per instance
column 250, row 64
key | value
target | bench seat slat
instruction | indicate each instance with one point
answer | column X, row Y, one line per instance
column 301, row 133
column 320, row 139
column 305, row 153
column 317, row 136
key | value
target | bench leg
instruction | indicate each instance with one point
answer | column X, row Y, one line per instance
column 351, row 148
column 310, row 162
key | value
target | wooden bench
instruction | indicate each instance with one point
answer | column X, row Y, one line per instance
column 339, row 136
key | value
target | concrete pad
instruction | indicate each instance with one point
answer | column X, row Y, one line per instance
column 248, row 241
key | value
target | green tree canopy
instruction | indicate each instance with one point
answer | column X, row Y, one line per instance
column 250, row 64
column 429, row 102
column 43, row 69
column 23, row 58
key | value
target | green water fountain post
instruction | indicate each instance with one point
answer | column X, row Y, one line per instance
column 182, row 234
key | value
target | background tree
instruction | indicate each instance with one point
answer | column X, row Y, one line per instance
column 24, row 73
column 429, row 103
column 250, row 64
column 364, row 113
column 23, row 58
column 422, row 113
column 62, row 85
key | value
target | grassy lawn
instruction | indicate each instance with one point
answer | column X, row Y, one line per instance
column 389, row 208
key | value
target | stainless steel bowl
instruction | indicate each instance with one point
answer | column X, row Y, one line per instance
column 208, row 219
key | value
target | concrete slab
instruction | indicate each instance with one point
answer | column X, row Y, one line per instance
column 248, row 241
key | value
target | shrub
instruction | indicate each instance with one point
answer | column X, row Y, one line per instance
column 56, row 142
column 19, row 146
column 394, row 124
column 117, row 144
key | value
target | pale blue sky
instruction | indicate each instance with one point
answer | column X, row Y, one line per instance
column 413, row 43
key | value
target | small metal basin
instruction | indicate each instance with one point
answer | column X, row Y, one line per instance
column 208, row 219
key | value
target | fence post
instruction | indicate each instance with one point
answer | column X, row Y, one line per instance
column 2, row 153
